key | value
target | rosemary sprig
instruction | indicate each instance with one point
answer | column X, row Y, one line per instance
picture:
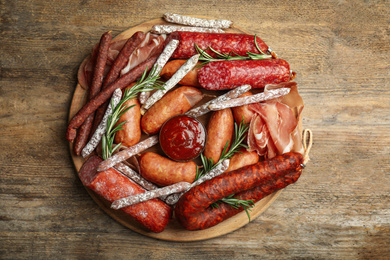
column 236, row 145
column 146, row 83
column 236, row 203
column 204, row 56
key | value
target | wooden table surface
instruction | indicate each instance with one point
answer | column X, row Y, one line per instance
column 338, row 209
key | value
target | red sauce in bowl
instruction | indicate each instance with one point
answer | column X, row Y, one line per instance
column 182, row 138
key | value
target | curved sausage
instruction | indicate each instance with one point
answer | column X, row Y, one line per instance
column 173, row 103
column 163, row 171
column 231, row 74
column 191, row 79
column 111, row 185
column 219, row 131
column 250, row 182
column 130, row 134
column 221, row 42
column 104, row 95
column 241, row 159
column 243, row 112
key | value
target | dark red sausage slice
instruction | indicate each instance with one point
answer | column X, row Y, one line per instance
column 221, row 42
column 256, row 181
column 221, row 75
column 112, row 185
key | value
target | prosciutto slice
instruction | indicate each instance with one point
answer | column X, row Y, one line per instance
column 150, row 43
column 143, row 51
column 274, row 127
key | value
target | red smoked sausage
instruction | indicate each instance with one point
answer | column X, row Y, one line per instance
column 112, row 185
column 221, row 42
column 221, row 75
column 193, row 210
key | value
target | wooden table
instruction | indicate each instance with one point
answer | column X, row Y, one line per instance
column 339, row 208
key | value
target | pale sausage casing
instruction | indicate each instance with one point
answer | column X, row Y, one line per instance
column 241, row 159
column 173, row 103
column 219, row 131
column 163, row 171
column 130, row 134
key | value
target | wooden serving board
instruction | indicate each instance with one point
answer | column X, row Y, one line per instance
column 174, row 231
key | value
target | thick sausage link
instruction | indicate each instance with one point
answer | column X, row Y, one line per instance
column 230, row 74
column 112, row 185
column 219, row 131
column 193, row 210
column 221, row 42
column 130, row 134
column 163, row 171
column 241, row 159
column 173, row 103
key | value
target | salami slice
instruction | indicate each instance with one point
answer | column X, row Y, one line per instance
column 220, row 75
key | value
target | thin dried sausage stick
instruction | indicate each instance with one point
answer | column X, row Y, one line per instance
column 104, row 95
column 135, row 176
column 204, row 109
column 256, row 98
column 218, row 170
column 120, row 62
column 127, row 153
column 148, row 195
column 167, row 29
column 160, row 63
column 189, row 65
column 199, row 22
column 100, row 64
column 102, row 127
column 193, row 207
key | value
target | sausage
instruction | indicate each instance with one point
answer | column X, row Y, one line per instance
column 173, row 103
column 101, row 60
column 241, row 159
column 243, row 112
column 191, row 79
column 230, row 74
column 111, row 185
column 194, row 21
column 120, row 62
column 104, row 95
column 163, row 171
column 256, row 181
column 130, row 134
column 219, row 131
column 238, row 43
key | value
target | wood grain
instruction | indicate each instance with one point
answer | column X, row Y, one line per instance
column 339, row 208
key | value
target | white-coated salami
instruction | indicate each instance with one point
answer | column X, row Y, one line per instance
column 204, row 109
column 127, row 153
column 166, row 29
column 160, row 63
column 199, row 22
column 148, row 195
column 101, row 129
column 180, row 73
column 271, row 94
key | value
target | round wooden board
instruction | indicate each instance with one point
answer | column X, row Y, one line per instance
column 173, row 232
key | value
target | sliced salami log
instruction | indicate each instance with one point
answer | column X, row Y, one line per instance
column 112, row 185
column 222, row 42
column 222, row 75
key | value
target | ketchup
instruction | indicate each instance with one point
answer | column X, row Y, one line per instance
column 182, row 138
